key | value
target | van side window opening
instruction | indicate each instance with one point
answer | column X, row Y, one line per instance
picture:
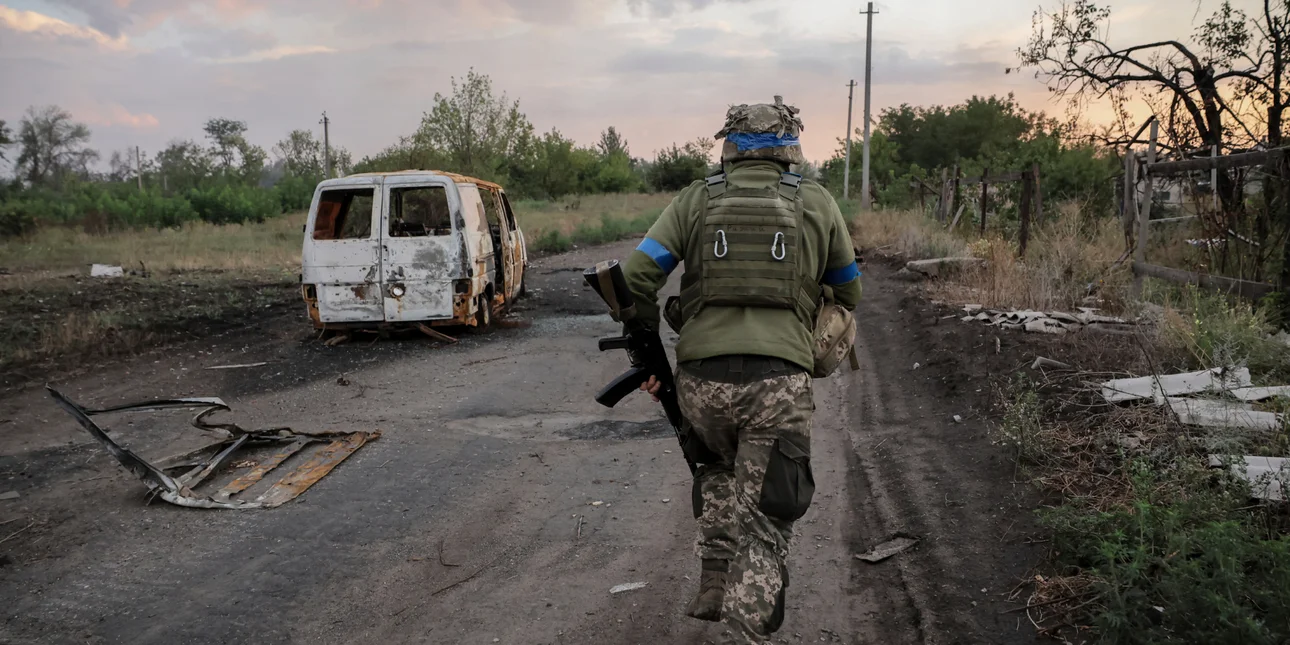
column 420, row 211
column 490, row 211
column 344, row 214
column 510, row 213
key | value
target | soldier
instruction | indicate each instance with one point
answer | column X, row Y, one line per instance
column 763, row 248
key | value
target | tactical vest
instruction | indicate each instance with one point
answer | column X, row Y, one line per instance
column 750, row 255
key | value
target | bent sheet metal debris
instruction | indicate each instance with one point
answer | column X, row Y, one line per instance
column 198, row 466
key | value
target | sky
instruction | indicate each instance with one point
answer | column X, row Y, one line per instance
column 147, row 72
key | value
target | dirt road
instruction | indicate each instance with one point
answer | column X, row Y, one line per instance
column 474, row 519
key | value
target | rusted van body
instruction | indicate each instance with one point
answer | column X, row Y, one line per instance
column 410, row 247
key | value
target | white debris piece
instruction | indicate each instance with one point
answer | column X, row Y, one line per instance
column 1208, row 413
column 1151, row 387
column 13, row 494
column 627, row 586
column 888, row 549
column 1267, row 475
column 1261, row 393
column 1052, row 322
column 1046, row 326
column 106, row 271
column 943, row 266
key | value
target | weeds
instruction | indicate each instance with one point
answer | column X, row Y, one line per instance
column 1164, row 548
column 1067, row 264
column 1203, row 329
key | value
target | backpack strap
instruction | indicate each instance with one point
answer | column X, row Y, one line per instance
column 716, row 185
column 789, row 185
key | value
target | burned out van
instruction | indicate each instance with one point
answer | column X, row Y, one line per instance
column 410, row 247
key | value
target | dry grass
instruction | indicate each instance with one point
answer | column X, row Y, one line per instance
column 566, row 215
column 908, row 233
column 275, row 243
column 1067, row 264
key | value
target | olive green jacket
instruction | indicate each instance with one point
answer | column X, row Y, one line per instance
column 826, row 249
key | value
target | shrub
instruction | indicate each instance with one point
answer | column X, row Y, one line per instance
column 232, row 204
column 295, row 193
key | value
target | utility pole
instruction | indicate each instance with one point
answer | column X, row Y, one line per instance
column 138, row 167
column 868, row 74
column 326, row 124
column 846, row 170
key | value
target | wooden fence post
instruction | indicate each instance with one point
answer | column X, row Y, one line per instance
column 1037, row 193
column 1128, row 214
column 954, row 201
column 985, row 188
column 944, row 188
column 1144, row 213
column 1027, row 197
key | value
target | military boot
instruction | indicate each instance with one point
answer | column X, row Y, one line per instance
column 712, row 592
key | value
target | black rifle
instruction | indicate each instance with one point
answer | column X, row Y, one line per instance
column 644, row 348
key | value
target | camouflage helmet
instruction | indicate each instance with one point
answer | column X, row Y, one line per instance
column 763, row 131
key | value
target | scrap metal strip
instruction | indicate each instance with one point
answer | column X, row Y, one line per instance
column 250, row 479
column 149, row 474
column 218, row 460
column 299, row 480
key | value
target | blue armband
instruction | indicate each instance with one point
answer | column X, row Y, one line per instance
column 659, row 254
column 843, row 275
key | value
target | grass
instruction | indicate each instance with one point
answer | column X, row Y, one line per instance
column 1066, row 266
column 553, row 227
column 276, row 243
column 1149, row 544
column 197, row 278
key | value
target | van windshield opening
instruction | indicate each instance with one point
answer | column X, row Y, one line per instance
column 344, row 214
column 420, row 211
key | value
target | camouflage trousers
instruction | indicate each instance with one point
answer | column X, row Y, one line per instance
column 753, row 482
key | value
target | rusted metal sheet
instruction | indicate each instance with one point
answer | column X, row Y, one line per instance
column 308, row 474
column 201, row 464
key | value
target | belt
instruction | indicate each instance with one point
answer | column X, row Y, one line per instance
column 741, row 369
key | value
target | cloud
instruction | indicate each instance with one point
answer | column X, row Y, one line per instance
column 669, row 62
column 275, row 53
column 666, row 8
column 228, row 43
column 115, row 115
column 39, row 24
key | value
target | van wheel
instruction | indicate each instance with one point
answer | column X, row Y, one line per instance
column 483, row 314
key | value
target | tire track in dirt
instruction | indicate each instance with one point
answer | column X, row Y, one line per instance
column 918, row 472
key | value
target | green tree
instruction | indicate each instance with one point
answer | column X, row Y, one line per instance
column 6, row 138
column 238, row 158
column 301, row 155
column 676, row 167
column 227, row 136
column 477, row 132
column 53, row 147
column 612, row 143
column 184, row 165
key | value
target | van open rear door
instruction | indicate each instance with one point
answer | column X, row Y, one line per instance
column 342, row 252
column 421, row 248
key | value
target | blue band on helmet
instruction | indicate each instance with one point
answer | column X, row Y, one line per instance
column 659, row 254
column 748, row 141
column 843, row 275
